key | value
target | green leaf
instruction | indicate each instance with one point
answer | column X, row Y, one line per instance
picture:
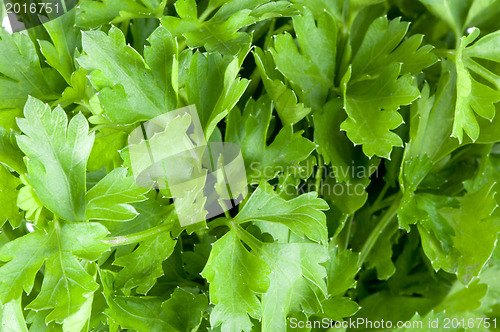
column 94, row 13
column 8, row 118
column 236, row 276
column 310, row 70
column 463, row 299
column 318, row 7
column 285, row 99
column 212, row 84
column 143, row 266
column 221, row 33
column 58, row 155
column 391, row 307
column 472, row 96
column 151, row 213
column 141, row 313
column 184, row 310
column 336, row 148
column 60, row 54
column 161, row 57
column 380, row 257
column 10, row 155
column 80, row 320
column 378, row 84
column 430, row 130
column 21, row 72
column 338, row 308
column 424, row 208
column 11, row 317
column 8, row 198
column 483, row 13
column 78, row 92
column 372, row 107
column 296, row 282
column 459, row 238
column 250, row 130
column 66, row 285
column 384, row 45
column 106, row 150
column 452, row 12
column 303, row 215
column 341, row 268
column 110, row 198
column 131, row 91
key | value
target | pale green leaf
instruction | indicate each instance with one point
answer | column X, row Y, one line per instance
column 143, row 266
column 214, row 87
column 110, row 198
column 310, row 70
column 287, row 106
column 9, row 152
column 58, row 155
column 303, row 215
column 296, row 282
column 11, row 317
column 184, row 310
column 133, row 91
column 236, row 276
column 66, row 284
column 8, row 198
column 21, row 72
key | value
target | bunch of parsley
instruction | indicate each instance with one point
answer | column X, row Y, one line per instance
column 370, row 137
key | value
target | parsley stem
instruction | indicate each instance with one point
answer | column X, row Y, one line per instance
column 384, row 221
column 249, row 239
column 382, row 194
column 445, row 53
column 319, row 175
column 218, row 222
column 376, row 204
column 348, row 231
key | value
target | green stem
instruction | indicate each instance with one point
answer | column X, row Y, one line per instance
column 384, row 221
column 269, row 37
column 125, row 26
column 206, row 13
column 254, row 79
column 445, row 53
column 218, row 223
column 375, row 204
column 485, row 73
column 137, row 237
column 382, row 205
column 249, row 239
column 348, row 232
column 319, row 174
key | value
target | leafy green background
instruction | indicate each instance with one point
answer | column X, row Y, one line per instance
column 370, row 136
